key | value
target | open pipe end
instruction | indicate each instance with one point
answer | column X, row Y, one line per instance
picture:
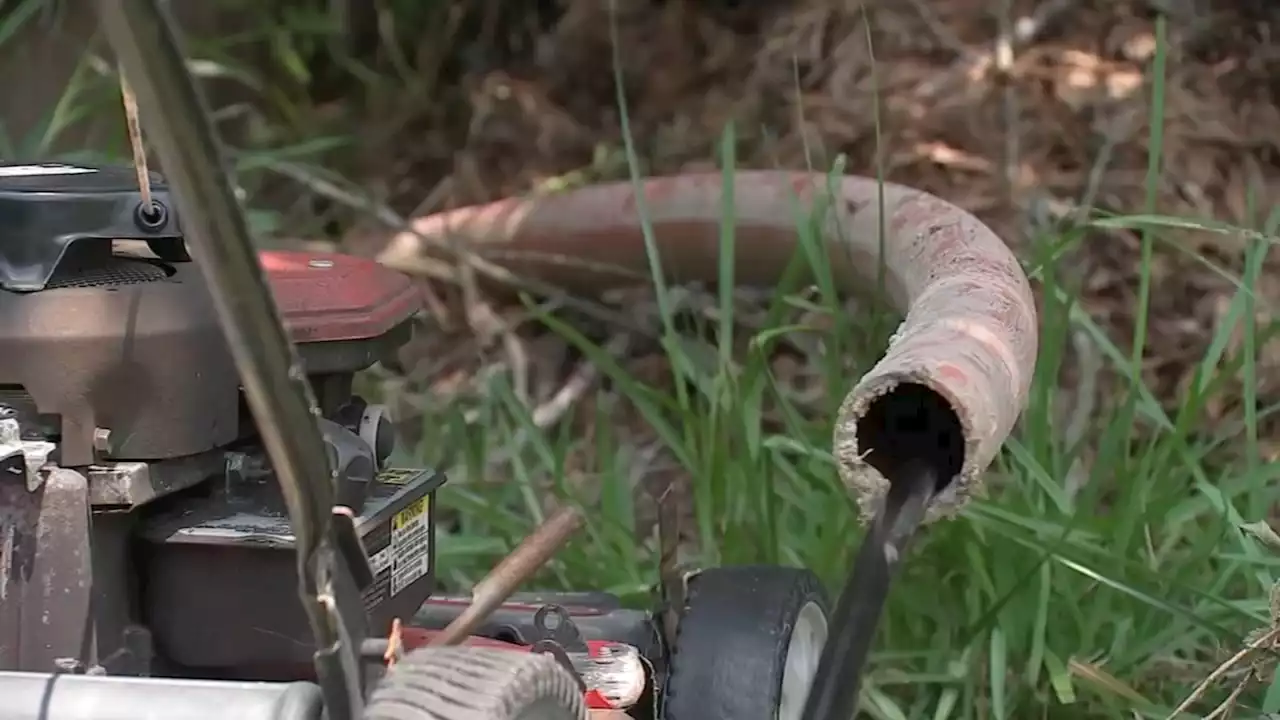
column 910, row 423
column 894, row 420
column 957, row 372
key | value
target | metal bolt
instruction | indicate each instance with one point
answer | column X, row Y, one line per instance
column 68, row 665
column 320, row 263
column 10, row 431
column 102, row 440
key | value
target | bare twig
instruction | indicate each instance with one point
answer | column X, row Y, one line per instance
column 427, row 268
column 1024, row 32
column 434, row 199
column 579, row 381
column 1224, row 708
column 1082, row 411
column 135, row 141
column 516, row 568
column 1267, row 638
column 1004, row 55
column 940, row 29
column 436, row 306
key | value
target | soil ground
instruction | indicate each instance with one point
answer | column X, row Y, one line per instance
column 1027, row 116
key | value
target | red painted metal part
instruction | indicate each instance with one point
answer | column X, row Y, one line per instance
column 414, row 637
column 327, row 297
column 531, row 608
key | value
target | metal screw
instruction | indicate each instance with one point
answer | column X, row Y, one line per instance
column 10, row 431
column 320, row 264
column 68, row 665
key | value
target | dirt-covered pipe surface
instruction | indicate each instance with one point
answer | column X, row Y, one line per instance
column 956, row 374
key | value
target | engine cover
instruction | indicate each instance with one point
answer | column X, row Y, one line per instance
column 343, row 312
column 114, row 348
column 221, row 590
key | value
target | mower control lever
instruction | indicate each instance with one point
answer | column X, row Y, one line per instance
column 143, row 37
column 834, row 694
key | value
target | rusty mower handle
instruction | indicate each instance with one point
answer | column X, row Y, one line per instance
column 144, row 38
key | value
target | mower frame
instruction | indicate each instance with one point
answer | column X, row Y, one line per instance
column 329, row 555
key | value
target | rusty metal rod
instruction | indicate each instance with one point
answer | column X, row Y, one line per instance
column 275, row 386
column 516, row 568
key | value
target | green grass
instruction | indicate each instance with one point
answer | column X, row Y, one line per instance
column 1105, row 596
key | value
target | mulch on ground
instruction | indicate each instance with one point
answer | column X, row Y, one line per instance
column 1020, row 118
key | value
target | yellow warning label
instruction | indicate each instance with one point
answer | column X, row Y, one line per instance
column 411, row 514
column 410, row 544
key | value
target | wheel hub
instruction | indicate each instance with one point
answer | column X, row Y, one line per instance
column 801, row 662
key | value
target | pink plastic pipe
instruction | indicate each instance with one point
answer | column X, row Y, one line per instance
column 955, row 375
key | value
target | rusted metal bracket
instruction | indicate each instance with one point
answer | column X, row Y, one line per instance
column 45, row 569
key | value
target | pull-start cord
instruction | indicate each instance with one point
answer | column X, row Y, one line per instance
column 135, row 143
column 834, row 695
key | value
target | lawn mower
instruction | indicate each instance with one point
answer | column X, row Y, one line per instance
column 145, row 534
column 199, row 517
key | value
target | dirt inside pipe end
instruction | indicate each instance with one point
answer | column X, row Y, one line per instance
column 902, row 417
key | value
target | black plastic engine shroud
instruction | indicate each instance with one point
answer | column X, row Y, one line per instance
column 118, row 342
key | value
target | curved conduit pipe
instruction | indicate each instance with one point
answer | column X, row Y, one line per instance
column 924, row 422
column 967, row 346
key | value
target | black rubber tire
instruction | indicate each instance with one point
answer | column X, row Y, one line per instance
column 464, row 683
column 732, row 641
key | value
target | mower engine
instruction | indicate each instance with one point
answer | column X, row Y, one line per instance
column 141, row 529
column 148, row 559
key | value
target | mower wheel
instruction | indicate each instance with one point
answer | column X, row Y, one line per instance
column 467, row 683
column 747, row 645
